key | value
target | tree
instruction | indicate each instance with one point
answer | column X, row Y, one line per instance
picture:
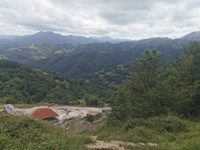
column 145, row 70
column 142, row 82
column 186, row 80
column 152, row 90
column 90, row 118
column 121, row 105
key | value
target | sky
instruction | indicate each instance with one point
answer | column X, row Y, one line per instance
column 129, row 19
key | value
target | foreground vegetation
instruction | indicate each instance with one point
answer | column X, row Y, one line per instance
column 169, row 133
column 22, row 133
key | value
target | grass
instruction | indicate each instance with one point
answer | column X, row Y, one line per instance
column 99, row 121
column 22, row 133
column 170, row 133
column 71, row 126
column 96, row 121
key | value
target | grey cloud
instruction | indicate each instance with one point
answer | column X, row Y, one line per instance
column 101, row 17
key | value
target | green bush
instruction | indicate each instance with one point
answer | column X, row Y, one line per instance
column 160, row 124
column 22, row 132
column 143, row 130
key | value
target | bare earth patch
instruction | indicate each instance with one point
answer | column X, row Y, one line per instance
column 111, row 145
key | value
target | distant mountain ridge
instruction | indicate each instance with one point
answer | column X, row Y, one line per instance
column 109, row 39
column 54, row 38
column 50, row 38
column 8, row 36
column 195, row 36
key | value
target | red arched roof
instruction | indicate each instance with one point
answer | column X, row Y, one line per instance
column 43, row 113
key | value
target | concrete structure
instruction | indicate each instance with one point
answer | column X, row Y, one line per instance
column 106, row 109
column 10, row 109
column 67, row 113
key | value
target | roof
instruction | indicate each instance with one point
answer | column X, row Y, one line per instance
column 106, row 108
column 31, row 110
column 43, row 113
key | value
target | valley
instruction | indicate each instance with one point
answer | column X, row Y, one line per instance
column 99, row 75
column 152, row 86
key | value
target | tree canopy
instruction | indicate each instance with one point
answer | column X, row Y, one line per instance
column 152, row 90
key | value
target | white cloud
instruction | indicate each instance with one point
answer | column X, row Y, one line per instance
column 172, row 18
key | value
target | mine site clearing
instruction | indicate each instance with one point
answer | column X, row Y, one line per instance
column 58, row 115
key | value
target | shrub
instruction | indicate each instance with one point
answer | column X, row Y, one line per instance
column 22, row 132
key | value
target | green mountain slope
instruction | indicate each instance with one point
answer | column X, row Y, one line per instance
column 42, row 51
column 93, row 59
column 84, row 62
column 21, row 84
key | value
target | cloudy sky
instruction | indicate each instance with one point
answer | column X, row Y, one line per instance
column 132, row 19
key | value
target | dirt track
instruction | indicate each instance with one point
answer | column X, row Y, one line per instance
column 111, row 145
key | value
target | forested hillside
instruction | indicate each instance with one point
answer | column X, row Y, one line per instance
column 42, row 51
column 109, row 76
column 21, row 84
column 92, row 60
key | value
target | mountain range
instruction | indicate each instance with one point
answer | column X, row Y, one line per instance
column 81, row 55
column 50, row 38
column 8, row 36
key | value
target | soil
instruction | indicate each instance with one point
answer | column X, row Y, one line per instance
column 114, row 145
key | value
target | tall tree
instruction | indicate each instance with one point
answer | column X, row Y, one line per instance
column 137, row 97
